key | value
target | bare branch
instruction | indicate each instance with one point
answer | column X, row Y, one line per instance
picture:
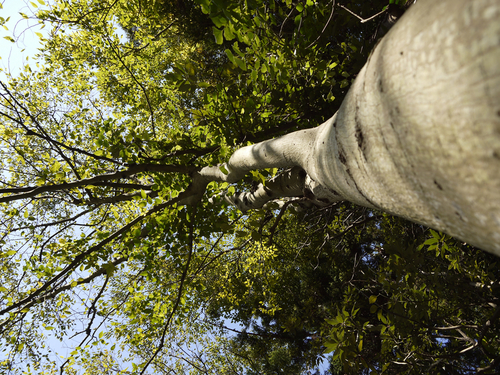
column 324, row 28
column 363, row 20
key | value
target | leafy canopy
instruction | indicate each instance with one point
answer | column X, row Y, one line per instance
column 98, row 145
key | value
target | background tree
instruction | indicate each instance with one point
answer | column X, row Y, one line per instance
column 99, row 146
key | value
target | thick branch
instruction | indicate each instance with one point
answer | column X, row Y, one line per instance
column 30, row 191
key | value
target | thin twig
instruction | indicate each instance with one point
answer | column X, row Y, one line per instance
column 179, row 293
column 363, row 20
column 36, row 295
column 46, row 138
column 324, row 28
column 136, row 81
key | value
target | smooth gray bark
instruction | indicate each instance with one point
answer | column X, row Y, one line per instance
column 418, row 134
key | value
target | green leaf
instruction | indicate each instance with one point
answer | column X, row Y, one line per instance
column 330, row 347
column 372, row 299
column 228, row 34
column 230, row 56
column 435, row 234
column 256, row 236
column 223, row 169
column 218, row 35
column 9, row 39
column 241, row 63
column 250, row 104
column 55, row 167
column 219, row 20
column 431, row 241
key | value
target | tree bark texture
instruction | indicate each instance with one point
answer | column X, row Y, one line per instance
column 418, row 134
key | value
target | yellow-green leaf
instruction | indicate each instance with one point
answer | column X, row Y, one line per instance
column 55, row 167
column 218, row 35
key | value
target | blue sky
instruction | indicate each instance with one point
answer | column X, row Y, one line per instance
column 14, row 55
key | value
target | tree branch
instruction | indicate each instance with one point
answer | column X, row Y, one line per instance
column 31, row 191
column 42, row 136
column 83, row 255
column 179, row 293
column 363, row 20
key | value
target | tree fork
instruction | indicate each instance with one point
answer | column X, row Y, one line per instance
column 418, row 134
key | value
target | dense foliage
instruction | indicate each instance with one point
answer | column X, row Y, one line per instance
column 98, row 143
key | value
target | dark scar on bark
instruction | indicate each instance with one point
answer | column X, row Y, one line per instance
column 308, row 194
column 438, row 185
column 342, row 157
column 245, row 201
column 324, row 200
column 380, row 86
column 359, row 135
column 268, row 191
column 333, row 192
column 348, row 171
column 302, row 174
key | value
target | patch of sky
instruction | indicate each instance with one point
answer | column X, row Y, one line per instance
column 20, row 34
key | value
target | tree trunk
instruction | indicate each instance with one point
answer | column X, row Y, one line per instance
column 418, row 134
